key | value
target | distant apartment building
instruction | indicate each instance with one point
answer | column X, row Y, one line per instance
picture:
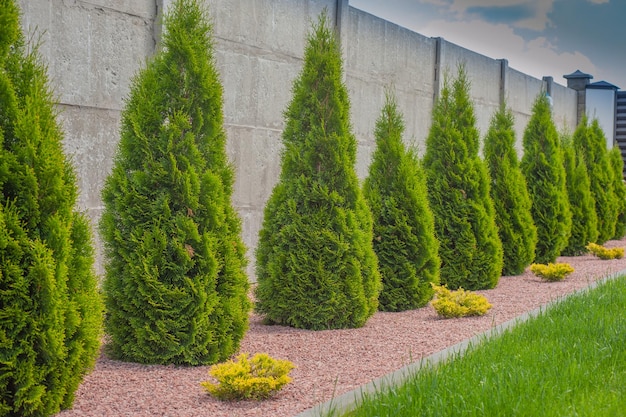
column 603, row 101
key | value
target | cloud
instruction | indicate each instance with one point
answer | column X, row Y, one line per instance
column 523, row 14
column 598, row 1
column 537, row 57
column 439, row 3
column 540, row 19
column 508, row 14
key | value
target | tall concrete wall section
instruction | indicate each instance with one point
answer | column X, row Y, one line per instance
column 383, row 56
column 92, row 49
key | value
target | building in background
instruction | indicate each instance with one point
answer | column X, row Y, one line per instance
column 603, row 101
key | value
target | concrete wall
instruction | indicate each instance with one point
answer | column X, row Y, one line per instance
column 94, row 48
column 379, row 56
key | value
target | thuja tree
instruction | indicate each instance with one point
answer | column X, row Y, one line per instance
column 404, row 234
column 458, row 192
column 509, row 192
column 50, row 308
column 590, row 140
column 175, row 286
column 542, row 165
column 582, row 204
column 619, row 188
column 315, row 263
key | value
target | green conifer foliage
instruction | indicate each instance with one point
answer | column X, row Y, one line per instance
column 509, row 193
column 590, row 140
column 582, row 204
column 458, row 192
column 50, row 308
column 617, row 165
column 404, row 233
column 175, row 287
column 315, row 263
column 542, row 165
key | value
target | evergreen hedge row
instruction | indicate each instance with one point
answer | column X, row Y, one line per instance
column 175, row 287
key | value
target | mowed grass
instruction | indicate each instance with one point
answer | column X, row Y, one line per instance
column 570, row 360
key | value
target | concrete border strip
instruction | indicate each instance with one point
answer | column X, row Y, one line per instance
column 343, row 403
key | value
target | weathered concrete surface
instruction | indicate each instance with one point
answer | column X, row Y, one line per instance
column 92, row 52
column 382, row 56
column 520, row 95
column 94, row 48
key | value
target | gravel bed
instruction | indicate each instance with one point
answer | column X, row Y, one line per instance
column 329, row 363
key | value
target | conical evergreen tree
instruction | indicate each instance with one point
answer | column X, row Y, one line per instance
column 404, row 233
column 509, row 193
column 175, row 287
column 458, row 192
column 619, row 188
column 542, row 165
column 316, row 267
column 582, row 204
column 590, row 140
column 50, row 308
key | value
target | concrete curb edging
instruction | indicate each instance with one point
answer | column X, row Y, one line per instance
column 342, row 404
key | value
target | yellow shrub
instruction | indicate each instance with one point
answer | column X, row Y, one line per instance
column 551, row 272
column 459, row 303
column 605, row 253
column 248, row 379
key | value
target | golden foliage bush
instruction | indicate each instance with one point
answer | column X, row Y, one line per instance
column 459, row 303
column 552, row 271
column 256, row 378
column 605, row 253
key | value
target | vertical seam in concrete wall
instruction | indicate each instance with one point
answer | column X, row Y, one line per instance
column 580, row 95
column 437, row 69
column 341, row 31
column 548, row 84
column 504, row 69
column 338, row 17
column 157, row 29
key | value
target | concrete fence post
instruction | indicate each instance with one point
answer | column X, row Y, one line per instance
column 504, row 79
column 341, row 27
column 437, row 69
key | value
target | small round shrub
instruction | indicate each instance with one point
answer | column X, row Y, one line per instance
column 459, row 303
column 552, row 271
column 605, row 253
column 257, row 378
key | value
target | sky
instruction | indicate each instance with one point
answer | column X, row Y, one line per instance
column 537, row 37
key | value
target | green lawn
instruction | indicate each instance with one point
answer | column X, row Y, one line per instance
column 570, row 360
